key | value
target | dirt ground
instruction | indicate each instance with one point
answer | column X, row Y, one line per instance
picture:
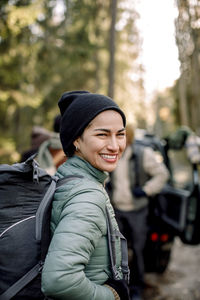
column 181, row 280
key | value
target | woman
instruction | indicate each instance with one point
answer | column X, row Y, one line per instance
column 77, row 265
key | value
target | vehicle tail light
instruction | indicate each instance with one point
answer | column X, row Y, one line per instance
column 154, row 236
column 164, row 237
column 157, row 237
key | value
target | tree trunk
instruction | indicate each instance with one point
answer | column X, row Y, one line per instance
column 195, row 90
column 111, row 67
column 183, row 101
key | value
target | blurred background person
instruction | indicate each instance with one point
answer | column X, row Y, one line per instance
column 50, row 153
column 138, row 175
column 47, row 147
column 38, row 136
column 185, row 138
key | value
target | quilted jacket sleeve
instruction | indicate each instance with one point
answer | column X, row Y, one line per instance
column 81, row 226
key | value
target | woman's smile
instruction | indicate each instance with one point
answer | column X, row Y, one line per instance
column 109, row 157
column 103, row 141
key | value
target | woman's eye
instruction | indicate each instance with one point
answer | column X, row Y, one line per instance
column 101, row 134
column 121, row 134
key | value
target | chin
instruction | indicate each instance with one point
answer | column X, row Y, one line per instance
column 110, row 168
column 107, row 167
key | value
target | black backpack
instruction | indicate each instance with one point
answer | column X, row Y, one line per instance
column 26, row 193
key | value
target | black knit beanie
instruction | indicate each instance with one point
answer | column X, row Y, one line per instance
column 78, row 109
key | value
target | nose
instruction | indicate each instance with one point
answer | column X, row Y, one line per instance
column 113, row 144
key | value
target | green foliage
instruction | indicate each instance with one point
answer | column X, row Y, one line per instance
column 48, row 47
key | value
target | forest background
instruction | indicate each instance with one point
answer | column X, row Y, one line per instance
column 51, row 46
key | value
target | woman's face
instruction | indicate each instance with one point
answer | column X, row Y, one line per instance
column 103, row 141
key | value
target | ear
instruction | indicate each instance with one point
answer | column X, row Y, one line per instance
column 76, row 143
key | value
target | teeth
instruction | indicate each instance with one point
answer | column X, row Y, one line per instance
column 108, row 156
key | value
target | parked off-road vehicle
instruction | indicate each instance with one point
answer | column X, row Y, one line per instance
column 174, row 212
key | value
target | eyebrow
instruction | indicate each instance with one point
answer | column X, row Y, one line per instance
column 108, row 130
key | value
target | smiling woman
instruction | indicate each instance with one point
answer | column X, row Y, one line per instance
column 103, row 141
column 78, row 262
column 78, row 109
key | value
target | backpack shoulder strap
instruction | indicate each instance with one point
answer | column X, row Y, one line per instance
column 21, row 283
column 111, row 245
column 41, row 215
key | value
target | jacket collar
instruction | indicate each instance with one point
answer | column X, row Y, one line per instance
column 78, row 165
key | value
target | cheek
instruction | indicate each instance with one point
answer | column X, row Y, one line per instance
column 123, row 145
column 90, row 148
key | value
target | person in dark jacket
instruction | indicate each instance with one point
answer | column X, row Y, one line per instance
column 78, row 266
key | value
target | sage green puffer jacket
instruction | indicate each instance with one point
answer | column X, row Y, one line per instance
column 78, row 262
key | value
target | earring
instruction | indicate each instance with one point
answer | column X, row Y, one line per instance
column 76, row 148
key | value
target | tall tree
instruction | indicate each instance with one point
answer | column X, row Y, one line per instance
column 111, row 67
column 18, row 51
column 188, row 41
column 129, row 85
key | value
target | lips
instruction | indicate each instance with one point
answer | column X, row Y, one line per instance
column 109, row 157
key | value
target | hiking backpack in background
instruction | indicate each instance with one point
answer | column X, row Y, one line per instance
column 26, row 193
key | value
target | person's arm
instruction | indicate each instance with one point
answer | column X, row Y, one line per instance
column 81, row 226
column 157, row 171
